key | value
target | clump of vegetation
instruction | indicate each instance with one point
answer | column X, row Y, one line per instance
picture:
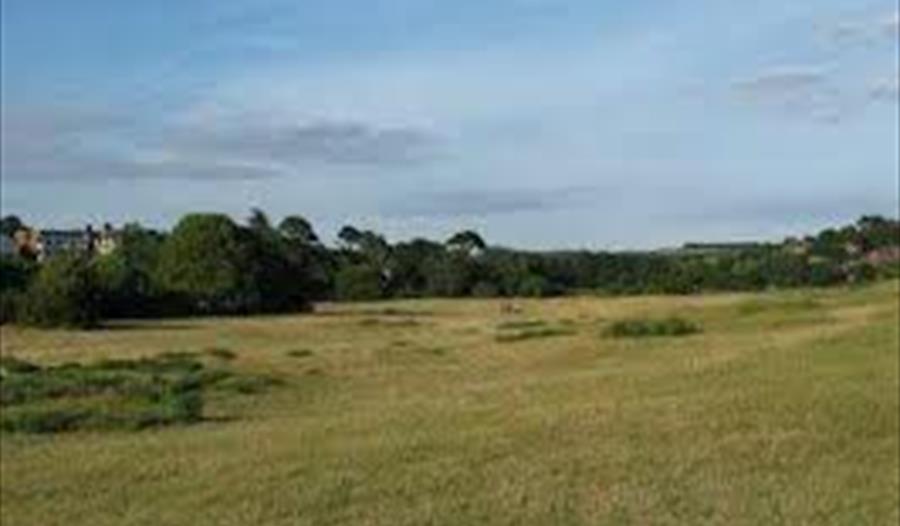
column 435, row 351
column 64, row 293
column 781, row 306
column 111, row 394
column 533, row 333
column 11, row 364
column 522, row 324
column 647, row 328
column 246, row 384
column 300, row 353
column 220, row 353
column 389, row 322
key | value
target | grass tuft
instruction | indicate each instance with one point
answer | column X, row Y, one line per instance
column 520, row 325
column 651, row 328
column 220, row 353
column 533, row 334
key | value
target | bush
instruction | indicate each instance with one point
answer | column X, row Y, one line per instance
column 524, row 324
column 63, row 294
column 220, row 353
column 49, row 421
column 359, row 283
column 533, row 332
column 246, row 384
column 644, row 328
column 536, row 286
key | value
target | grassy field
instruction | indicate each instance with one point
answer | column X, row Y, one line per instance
column 783, row 409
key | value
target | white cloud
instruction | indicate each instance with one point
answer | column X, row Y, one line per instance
column 887, row 89
column 890, row 24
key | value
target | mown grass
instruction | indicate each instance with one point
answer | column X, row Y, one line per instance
column 751, row 421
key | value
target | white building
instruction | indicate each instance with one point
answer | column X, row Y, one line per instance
column 52, row 242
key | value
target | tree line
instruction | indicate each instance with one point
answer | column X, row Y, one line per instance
column 210, row 265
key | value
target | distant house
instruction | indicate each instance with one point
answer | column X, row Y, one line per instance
column 107, row 241
column 43, row 244
column 27, row 242
column 53, row 242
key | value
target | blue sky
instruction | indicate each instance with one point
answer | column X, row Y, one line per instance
column 541, row 123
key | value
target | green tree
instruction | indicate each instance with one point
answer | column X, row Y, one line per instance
column 467, row 242
column 351, row 237
column 9, row 225
column 63, row 294
column 360, row 282
column 126, row 276
column 205, row 260
column 297, row 229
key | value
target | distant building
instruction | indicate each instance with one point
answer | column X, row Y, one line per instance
column 43, row 244
column 27, row 242
column 53, row 242
column 107, row 241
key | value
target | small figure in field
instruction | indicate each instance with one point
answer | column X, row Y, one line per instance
column 508, row 307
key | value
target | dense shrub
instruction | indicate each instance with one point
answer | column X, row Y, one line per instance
column 643, row 328
column 64, row 293
column 359, row 283
column 516, row 331
column 221, row 353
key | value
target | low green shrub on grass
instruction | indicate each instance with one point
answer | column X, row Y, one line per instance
column 531, row 334
column 520, row 330
column 648, row 328
column 112, row 394
column 521, row 324
column 10, row 364
column 220, row 353
column 247, row 384
column 300, row 353
column 780, row 306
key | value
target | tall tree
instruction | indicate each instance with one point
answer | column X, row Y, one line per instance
column 351, row 237
column 10, row 224
column 63, row 294
column 259, row 221
column 204, row 260
column 298, row 230
column 466, row 241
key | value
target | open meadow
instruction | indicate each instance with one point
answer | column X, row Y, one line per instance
column 783, row 409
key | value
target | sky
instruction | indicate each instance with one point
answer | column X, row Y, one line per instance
column 542, row 124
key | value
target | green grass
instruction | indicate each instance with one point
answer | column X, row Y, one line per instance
column 785, row 409
column 113, row 394
column 652, row 328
